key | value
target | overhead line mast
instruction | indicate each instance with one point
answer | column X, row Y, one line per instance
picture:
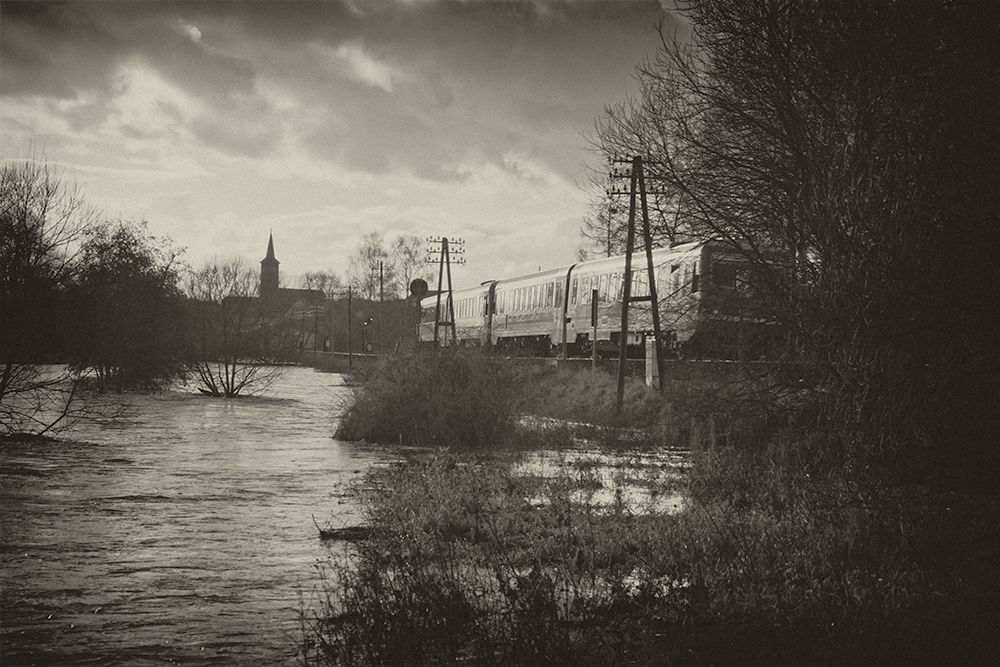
column 637, row 179
column 443, row 259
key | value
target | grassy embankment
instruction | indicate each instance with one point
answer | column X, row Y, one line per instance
column 781, row 555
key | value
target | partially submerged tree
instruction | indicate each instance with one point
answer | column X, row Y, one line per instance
column 237, row 340
column 126, row 306
column 43, row 223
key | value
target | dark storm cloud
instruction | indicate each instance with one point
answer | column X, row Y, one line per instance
column 377, row 86
column 53, row 49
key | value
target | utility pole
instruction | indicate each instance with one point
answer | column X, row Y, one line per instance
column 381, row 317
column 350, row 350
column 443, row 260
column 638, row 186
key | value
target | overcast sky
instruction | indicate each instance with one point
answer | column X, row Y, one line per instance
column 322, row 121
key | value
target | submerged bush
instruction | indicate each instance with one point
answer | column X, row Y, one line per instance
column 439, row 398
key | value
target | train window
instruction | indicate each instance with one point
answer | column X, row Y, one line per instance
column 585, row 290
column 639, row 286
column 550, row 294
column 694, row 277
column 572, row 291
column 559, row 294
column 614, row 284
column 675, row 277
column 604, row 288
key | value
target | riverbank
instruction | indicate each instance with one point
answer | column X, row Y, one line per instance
column 771, row 559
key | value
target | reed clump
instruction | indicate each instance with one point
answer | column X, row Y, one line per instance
column 432, row 398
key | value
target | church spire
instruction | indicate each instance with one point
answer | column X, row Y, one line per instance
column 270, row 247
column 269, row 271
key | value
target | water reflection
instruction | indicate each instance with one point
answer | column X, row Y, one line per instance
column 184, row 535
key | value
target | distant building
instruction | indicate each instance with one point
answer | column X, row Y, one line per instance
column 324, row 325
column 281, row 300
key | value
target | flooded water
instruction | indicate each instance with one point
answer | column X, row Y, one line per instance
column 184, row 536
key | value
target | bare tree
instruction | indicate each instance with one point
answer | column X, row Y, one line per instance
column 326, row 281
column 605, row 228
column 370, row 267
column 237, row 340
column 853, row 137
column 42, row 226
column 408, row 263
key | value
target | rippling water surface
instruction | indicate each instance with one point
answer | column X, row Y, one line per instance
column 184, row 536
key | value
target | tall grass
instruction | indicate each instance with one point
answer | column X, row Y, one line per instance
column 433, row 398
column 788, row 552
column 463, row 569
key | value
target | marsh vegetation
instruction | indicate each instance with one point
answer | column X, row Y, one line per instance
column 768, row 549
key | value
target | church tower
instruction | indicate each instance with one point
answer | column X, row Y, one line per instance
column 269, row 272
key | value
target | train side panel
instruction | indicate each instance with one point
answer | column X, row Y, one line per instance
column 472, row 308
column 528, row 313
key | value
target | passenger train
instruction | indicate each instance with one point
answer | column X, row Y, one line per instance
column 709, row 308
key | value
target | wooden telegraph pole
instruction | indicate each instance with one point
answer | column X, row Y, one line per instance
column 638, row 179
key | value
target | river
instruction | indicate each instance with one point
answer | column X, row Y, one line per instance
column 183, row 536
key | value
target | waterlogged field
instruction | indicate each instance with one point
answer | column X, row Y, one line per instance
column 185, row 534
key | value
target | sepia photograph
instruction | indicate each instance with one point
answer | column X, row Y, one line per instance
column 499, row 333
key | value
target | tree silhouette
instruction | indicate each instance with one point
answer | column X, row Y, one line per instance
column 860, row 140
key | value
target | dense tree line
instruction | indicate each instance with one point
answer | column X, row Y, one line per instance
column 859, row 139
column 90, row 308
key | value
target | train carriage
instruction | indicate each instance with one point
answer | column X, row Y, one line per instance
column 708, row 306
column 529, row 311
column 472, row 308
